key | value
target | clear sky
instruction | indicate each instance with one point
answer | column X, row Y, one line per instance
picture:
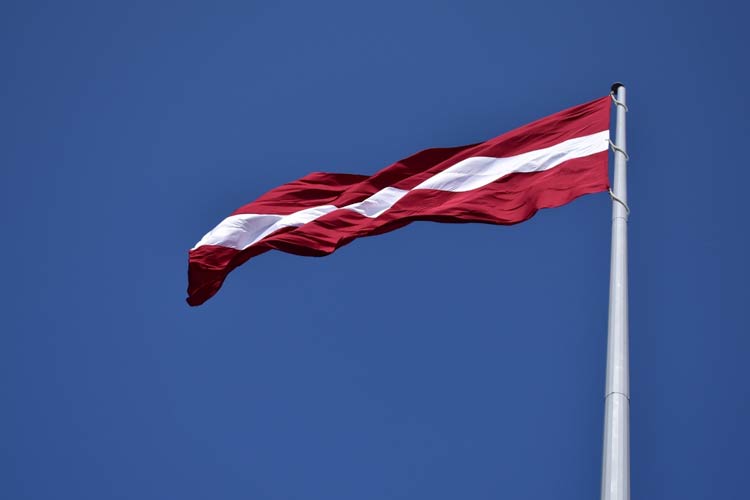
column 436, row 362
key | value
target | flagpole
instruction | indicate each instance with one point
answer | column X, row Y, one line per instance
column 616, row 448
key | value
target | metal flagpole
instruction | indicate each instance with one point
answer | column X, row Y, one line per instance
column 616, row 454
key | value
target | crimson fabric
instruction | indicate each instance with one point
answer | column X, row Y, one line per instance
column 509, row 200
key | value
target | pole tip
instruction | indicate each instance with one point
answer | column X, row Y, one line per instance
column 616, row 86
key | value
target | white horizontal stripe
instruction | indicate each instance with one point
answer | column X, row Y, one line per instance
column 378, row 203
column 242, row 230
column 478, row 171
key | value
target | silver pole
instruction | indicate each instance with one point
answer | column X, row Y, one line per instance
column 616, row 454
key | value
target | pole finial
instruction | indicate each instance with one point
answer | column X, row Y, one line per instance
column 616, row 86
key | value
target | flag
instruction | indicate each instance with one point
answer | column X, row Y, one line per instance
column 504, row 180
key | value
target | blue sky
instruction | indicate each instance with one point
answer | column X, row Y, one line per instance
column 435, row 362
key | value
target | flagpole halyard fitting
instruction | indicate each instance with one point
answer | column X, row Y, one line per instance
column 618, row 103
column 618, row 149
column 618, row 200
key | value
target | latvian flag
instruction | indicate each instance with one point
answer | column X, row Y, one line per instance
column 504, row 180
